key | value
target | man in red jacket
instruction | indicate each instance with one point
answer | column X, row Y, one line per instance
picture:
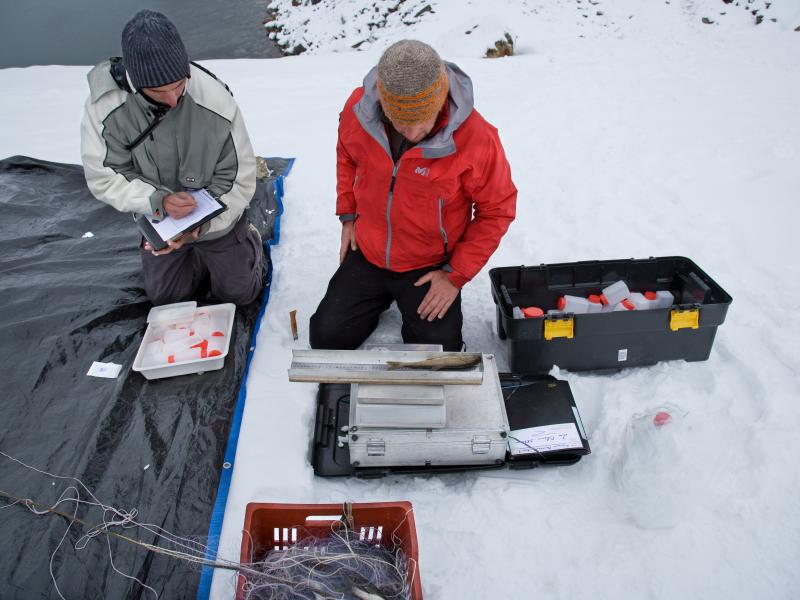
column 424, row 194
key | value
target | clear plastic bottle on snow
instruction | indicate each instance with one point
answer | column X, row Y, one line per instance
column 649, row 468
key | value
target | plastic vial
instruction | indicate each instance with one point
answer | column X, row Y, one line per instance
column 624, row 305
column 216, row 346
column 573, row 304
column 640, row 302
column 615, row 293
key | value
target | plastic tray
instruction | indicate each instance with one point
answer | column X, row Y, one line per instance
column 271, row 527
column 187, row 367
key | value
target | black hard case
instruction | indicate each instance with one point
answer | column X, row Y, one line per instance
column 601, row 340
column 530, row 401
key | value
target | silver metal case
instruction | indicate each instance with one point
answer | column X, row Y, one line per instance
column 474, row 431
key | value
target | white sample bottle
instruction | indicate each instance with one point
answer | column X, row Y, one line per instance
column 615, row 293
column 640, row 302
column 664, row 299
column 624, row 305
column 573, row 304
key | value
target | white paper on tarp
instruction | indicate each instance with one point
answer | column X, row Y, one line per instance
column 547, row 438
column 107, row 370
column 170, row 227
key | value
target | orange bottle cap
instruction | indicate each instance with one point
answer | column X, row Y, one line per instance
column 594, row 299
column 662, row 418
column 562, row 302
column 603, row 299
column 531, row 312
column 650, row 295
column 628, row 304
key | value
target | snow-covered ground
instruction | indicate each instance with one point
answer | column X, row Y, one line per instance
column 659, row 135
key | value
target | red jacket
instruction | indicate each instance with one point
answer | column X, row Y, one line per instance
column 447, row 200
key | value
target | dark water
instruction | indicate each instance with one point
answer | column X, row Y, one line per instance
column 84, row 32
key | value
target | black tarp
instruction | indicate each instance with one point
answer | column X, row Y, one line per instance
column 157, row 446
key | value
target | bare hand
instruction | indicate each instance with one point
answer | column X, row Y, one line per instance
column 179, row 205
column 173, row 244
column 440, row 296
column 348, row 239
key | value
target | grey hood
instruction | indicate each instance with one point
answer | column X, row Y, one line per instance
column 369, row 113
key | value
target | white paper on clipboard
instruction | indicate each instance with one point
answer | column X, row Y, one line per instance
column 547, row 438
column 170, row 227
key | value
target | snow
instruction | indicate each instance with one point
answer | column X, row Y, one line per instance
column 658, row 135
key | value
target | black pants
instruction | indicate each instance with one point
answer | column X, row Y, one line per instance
column 233, row 264
column 359, row 292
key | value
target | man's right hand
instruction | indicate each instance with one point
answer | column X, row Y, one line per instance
column 348, row 239
column 179, row 205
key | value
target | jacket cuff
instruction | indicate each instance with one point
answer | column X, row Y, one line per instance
column 157, row 204
column 456, row 279
column 347, row 217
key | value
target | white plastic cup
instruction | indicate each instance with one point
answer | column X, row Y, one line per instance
column 573, row 304
column 615, row 293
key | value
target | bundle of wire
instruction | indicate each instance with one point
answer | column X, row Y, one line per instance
column 338, row 567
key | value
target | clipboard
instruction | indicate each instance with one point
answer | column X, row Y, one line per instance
column 158, row 233
column 542, row 402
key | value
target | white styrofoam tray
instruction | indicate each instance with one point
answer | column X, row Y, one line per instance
column 186, row 367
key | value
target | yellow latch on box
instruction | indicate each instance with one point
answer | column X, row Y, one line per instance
column 559, row 327
column 684, row 318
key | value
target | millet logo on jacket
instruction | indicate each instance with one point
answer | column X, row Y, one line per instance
column 424, row 171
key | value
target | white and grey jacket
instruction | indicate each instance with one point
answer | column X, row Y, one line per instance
column 201, row 143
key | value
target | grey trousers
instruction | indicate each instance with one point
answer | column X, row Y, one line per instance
column 234, row 265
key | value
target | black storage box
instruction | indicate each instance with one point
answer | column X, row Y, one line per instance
column 608, row 340
column 530, row 401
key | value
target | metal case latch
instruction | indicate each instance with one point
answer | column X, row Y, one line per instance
column 376, row 447
column 481, row 444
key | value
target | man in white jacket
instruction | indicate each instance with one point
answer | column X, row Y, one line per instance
column 156, row 125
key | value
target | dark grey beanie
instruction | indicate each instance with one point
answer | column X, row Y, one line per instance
column 152, row 50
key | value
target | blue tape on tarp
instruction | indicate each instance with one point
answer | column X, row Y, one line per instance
column 218, row 515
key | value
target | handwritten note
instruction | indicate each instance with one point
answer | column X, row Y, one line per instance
column 548, row 438
column 171, row 227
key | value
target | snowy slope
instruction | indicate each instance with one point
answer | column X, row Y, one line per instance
column 668, row 136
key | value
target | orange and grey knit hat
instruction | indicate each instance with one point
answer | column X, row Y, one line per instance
column 412, row 82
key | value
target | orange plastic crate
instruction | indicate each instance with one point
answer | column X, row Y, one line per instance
column 269, row 527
